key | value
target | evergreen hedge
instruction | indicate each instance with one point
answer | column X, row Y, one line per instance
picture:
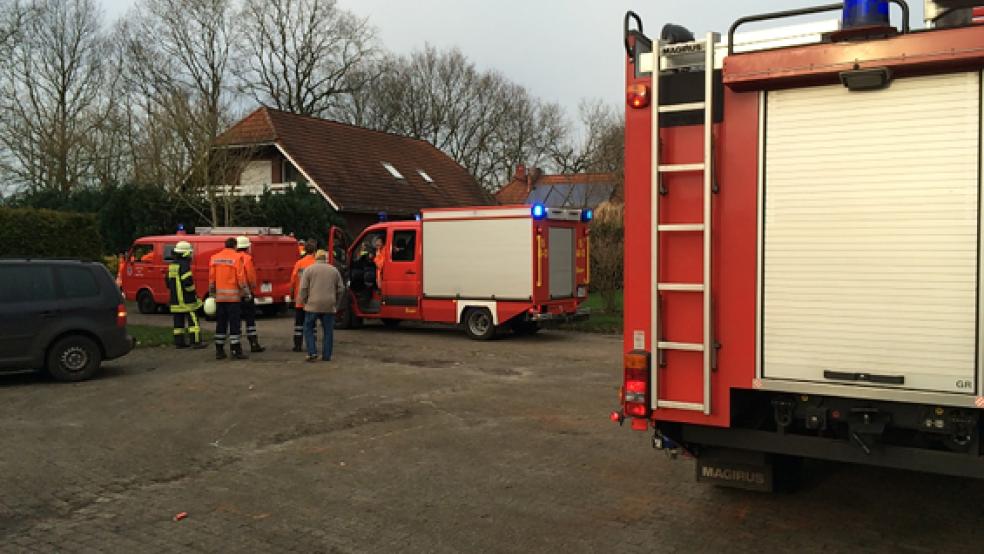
column 127, row 212
column 38, row 233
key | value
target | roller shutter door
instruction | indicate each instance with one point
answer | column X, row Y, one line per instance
column 871, row 234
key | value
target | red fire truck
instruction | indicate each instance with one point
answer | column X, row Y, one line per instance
column 803, row 240
column 487, row 268
column 144, row 267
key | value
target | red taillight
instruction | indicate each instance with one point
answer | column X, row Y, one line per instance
column 121, row 315
column 635, row 396
column 637, row 96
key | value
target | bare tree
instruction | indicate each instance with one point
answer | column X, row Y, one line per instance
column 52, row 81
column 482, row 120
column 12, row 15
column 301, row 55
column 178, row 58
column 600, row 144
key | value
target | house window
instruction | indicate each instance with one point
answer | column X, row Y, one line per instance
column 392, row 170
column 425, row 176
column 289, row 173
column 256, row 175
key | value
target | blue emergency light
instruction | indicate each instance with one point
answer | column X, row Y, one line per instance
column 587, row 215
column 865, row 13
column 181, row 227
column 382, row 216
column 539, row 211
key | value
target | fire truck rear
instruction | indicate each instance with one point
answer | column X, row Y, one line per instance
column 803, row 242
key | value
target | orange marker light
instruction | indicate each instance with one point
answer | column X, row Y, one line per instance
column 636, row 360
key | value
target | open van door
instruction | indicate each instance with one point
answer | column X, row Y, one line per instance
column 337, row 247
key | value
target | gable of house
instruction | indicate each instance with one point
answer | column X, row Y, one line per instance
column 357, row 170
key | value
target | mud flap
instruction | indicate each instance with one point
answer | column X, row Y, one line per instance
column 740, row 469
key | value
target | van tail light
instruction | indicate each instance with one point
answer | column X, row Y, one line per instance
column 637, row 96
column 121, row 315
column 635, row 398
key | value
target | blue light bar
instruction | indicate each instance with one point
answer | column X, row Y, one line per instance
column 587, row 215
column 382, row 216
column 865, row 13
column 181, row 227
column 539, row 211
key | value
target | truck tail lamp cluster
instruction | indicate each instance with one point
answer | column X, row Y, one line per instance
column 637, row 96
column 635, row 401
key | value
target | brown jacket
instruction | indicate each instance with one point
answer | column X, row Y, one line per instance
column 321, row 288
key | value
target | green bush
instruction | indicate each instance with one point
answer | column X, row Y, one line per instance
column 38, row 233
column 128, row 212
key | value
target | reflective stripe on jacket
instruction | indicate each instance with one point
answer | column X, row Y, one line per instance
column 181, row 283
column 227, row 277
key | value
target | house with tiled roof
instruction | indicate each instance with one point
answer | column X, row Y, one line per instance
column 360, row 173
column 572, row 190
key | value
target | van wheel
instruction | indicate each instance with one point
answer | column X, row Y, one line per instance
column 145, row 302
column 73, row 358
column 478, row 324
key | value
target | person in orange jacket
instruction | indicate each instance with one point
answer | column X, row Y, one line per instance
column 227, row 285
column 248, row 307
column 310, row 247
column 379, row 259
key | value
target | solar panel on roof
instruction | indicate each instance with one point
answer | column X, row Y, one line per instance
column 578, row 197
column 539, row 195
column 598, row 194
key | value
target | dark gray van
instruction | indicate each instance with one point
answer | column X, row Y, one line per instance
column 63, row 316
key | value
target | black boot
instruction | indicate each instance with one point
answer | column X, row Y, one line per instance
column 298, row 344
column 237, row 351
column 180, row 341
column 254, row 345
column 220, row 352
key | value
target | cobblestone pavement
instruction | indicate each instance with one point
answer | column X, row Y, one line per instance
column 411, row 440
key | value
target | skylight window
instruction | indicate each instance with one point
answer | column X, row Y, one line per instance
column 425, row 176
column 389, row 167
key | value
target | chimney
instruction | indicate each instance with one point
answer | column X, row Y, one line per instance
column 532, row 178
column 520, row 173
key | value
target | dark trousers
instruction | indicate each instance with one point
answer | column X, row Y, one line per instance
column 187, row 324
column 248, row 310
column 327, row 325
column 298, row 322
column 227, row 323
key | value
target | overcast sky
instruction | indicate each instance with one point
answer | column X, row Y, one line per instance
column 562, row 50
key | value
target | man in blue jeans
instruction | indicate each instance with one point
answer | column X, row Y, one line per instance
column 320, row 291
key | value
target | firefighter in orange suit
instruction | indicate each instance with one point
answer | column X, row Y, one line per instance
column 227, row 285
column 379, row 260
column 295, row 290
column 248, row 307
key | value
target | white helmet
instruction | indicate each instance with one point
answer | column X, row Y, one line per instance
column 183, row 248
column 242, row 242
column 210, row 306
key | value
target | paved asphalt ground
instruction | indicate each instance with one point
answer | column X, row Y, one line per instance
column 414, row 440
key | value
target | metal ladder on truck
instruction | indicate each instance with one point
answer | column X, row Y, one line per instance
column 707, row 346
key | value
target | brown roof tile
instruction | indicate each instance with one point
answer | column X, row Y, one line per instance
column 346, row 162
